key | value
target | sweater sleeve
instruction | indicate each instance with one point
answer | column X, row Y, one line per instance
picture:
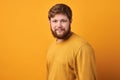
column 85, row 63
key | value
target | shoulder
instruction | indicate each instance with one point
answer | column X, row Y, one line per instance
column 51, row 45
column 79, row 43
column 77, row 40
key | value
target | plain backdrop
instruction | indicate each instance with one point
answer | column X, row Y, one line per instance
column 25, row 36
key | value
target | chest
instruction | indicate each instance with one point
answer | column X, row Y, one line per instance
column 61, row 56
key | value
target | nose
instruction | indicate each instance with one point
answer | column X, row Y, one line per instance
column 59, row 24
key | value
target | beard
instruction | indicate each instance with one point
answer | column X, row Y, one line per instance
column 65, row 34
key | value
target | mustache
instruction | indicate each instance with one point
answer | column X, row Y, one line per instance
column 60, row 29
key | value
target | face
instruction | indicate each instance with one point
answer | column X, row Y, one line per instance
column 60, row 26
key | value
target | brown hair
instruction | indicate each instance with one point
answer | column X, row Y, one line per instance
column 60, row 9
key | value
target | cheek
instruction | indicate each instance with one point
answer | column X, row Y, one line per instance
column 67, row 26
column 52, row 28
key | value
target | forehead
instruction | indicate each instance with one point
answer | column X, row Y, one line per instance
column 59, row 16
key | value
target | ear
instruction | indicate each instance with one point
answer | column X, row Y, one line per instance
column 49, row 20
column 70, row 21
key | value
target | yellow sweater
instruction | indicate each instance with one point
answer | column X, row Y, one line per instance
column 72, row 59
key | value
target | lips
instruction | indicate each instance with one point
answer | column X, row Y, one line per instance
column 59, row 30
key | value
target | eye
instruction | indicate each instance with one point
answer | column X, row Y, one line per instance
column 63, row 20
column 54, row 21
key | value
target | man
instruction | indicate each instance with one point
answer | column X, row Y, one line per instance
column 69, row 57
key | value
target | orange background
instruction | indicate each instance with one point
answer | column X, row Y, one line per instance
column 25, row 36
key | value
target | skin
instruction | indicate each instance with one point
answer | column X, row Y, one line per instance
column 60, row 26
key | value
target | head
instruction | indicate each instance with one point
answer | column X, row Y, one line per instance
column 60, row 18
